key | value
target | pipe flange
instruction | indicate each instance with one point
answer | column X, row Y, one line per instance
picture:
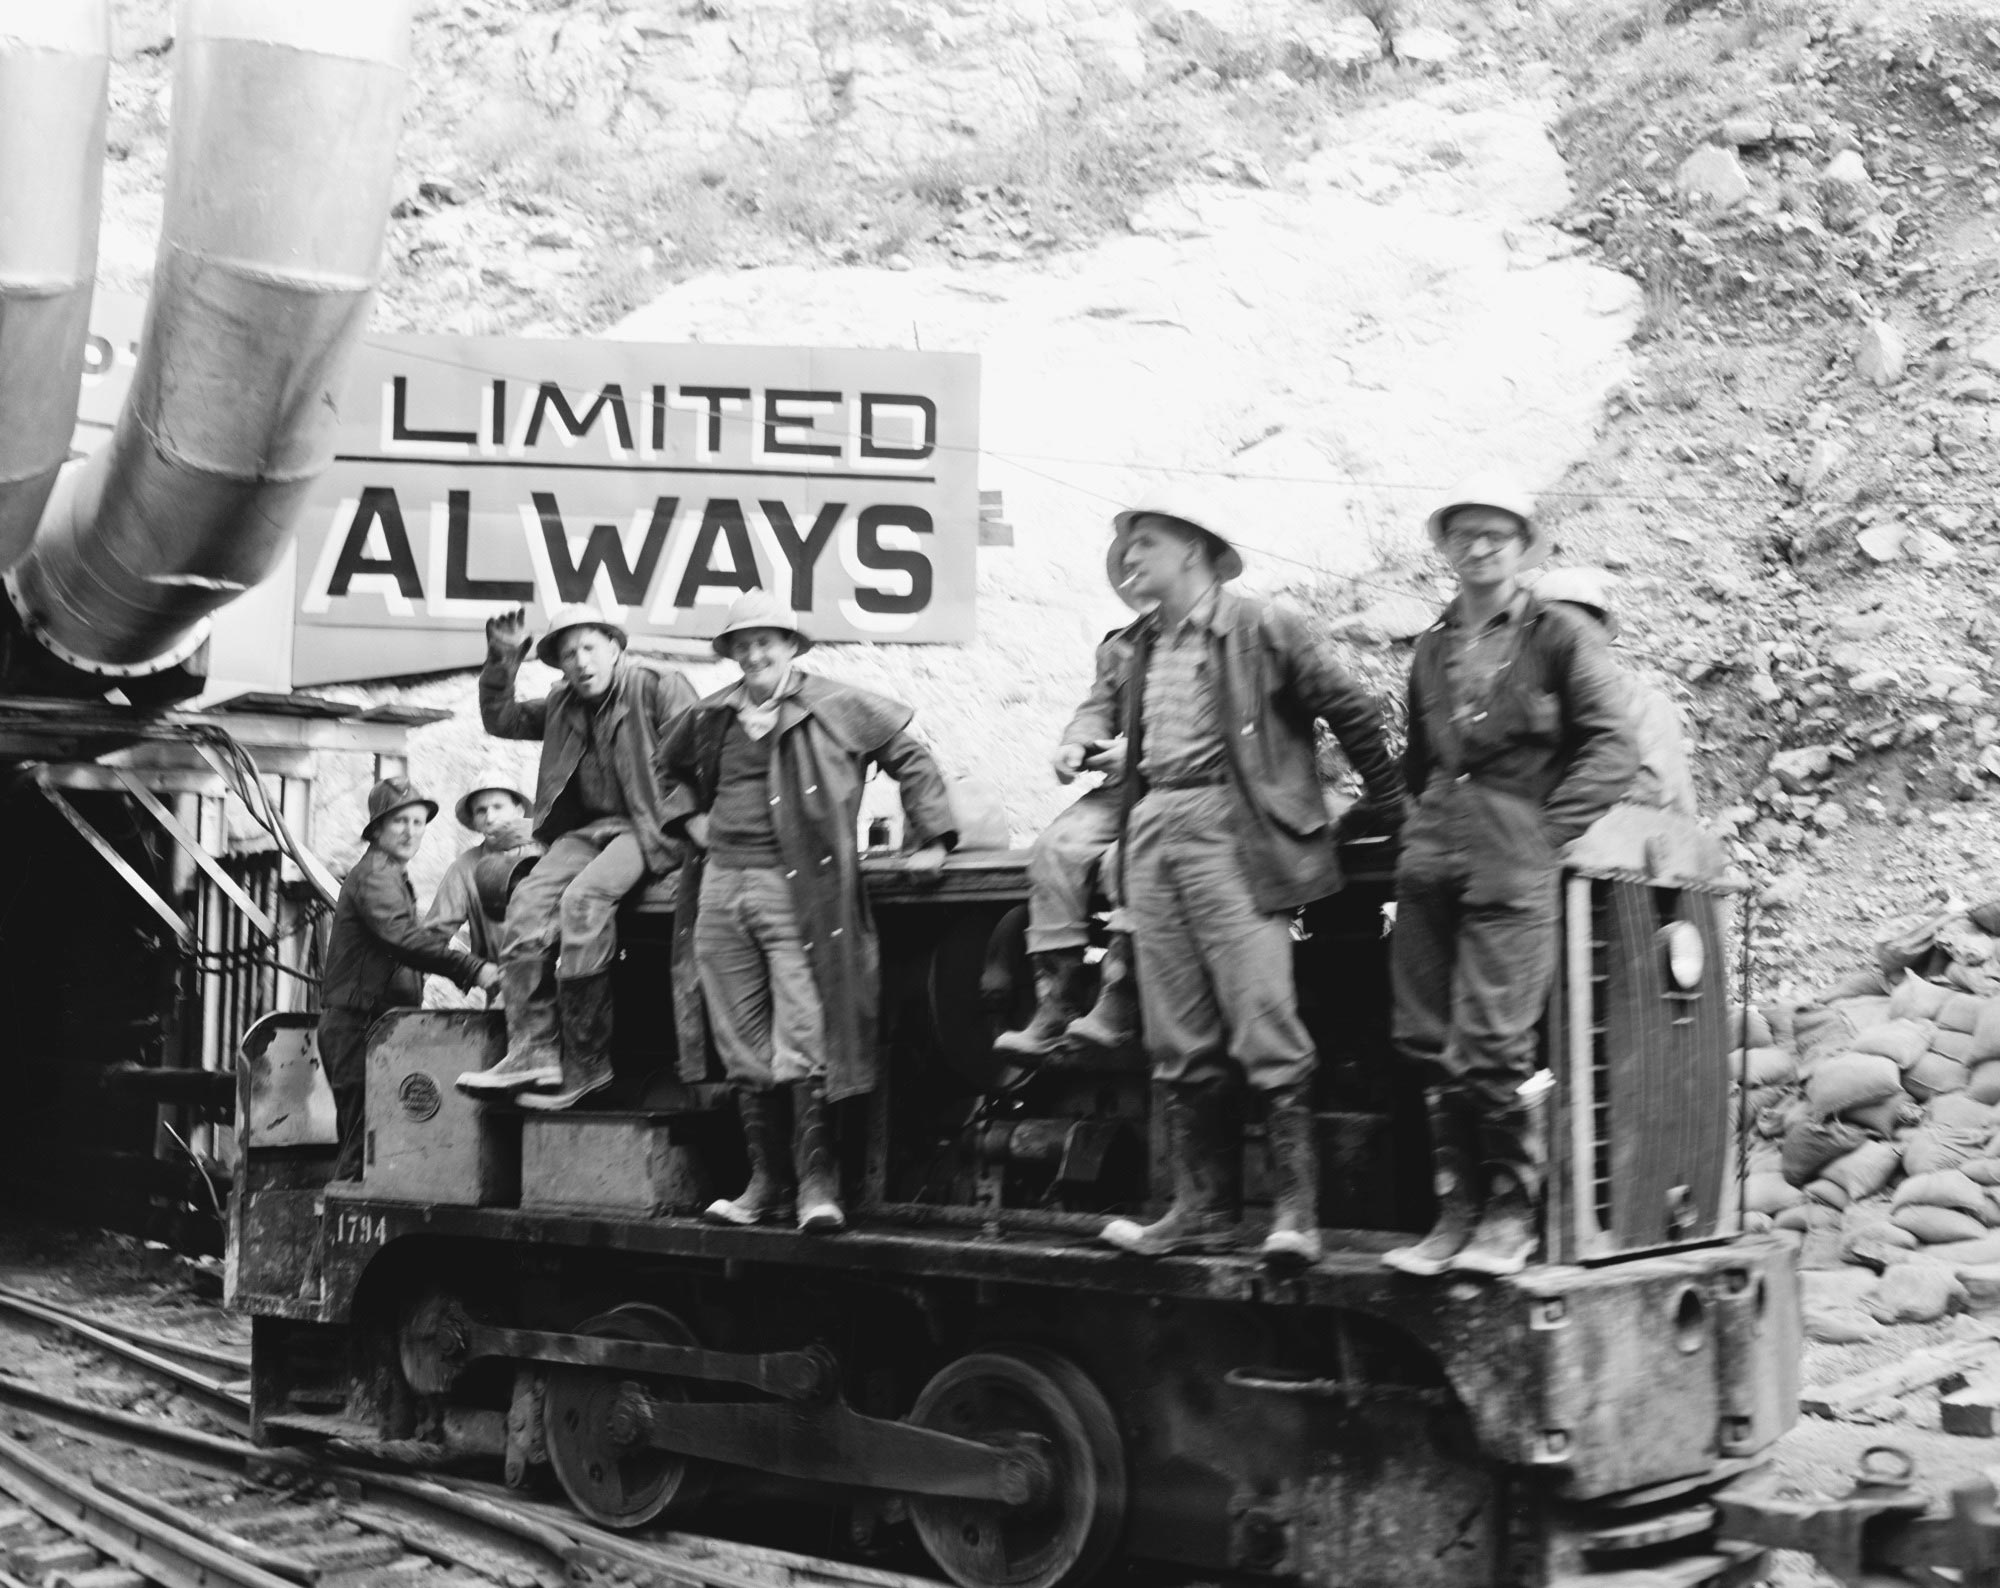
column 186, row 646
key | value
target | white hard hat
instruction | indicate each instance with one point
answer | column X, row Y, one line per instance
column 576, row 615
column 1498, row 489
column 1589, row 588
column 1195, row 510
column 492, row 779
column 759, row 609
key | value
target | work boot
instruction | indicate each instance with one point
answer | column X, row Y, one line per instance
column 1205, row 1160
column 1057, row 973
column 1452, row 1180
column 765, row 1197
column 1113, row 1020
column 534, row 1036
column 1507, row 1235
column 585, row 1003
column 813, row 1160
column 1294, row 1241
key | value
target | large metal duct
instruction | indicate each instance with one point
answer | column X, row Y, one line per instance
column 54, row 59
column 285, row 117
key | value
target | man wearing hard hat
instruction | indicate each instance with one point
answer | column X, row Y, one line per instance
column 598, row 808
column 474, row 890
column 1226, row 836
column 1519, row 739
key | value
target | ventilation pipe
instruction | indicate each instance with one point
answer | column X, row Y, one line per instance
column 54, row 62
column 285, row 116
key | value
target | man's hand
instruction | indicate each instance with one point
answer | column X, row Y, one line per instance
column 926, row 864
column 515, row 833
column 1068, row 761
column 507, row 635
column 488, row 977
column 696, row 828
column 1106, row 756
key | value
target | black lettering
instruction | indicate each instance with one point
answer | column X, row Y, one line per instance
column 715, row 396
column 460, row 585
column 871, row 448
column 802, row 554
column 722, row 519
column 775, row 421
column 659, row 419
column 551, row 396
column 606, row 550
column 499, row 413
column 378, row 505
column 399, row 426
column 870, row 551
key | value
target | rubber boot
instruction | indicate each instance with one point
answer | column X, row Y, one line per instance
column 1113, row 1020
column 1512, row 1152
column 1057, row 973
column 1452, row 1180
column 585, row 1003
column 1205, row 1160
column 813, row 1160
column 1294, row 1241
column 534, row 1033
column 766, row 1196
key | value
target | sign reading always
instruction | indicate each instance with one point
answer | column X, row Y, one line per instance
column 474, row 474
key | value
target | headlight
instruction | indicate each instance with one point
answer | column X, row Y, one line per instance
column 1687, row 954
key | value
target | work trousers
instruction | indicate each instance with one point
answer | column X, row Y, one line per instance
column 1215, row 971
column 1471, row 981
column 343, row 1056
column 764, row 1009
column 567, row 906
column 1060, row 867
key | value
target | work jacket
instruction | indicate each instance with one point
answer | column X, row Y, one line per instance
column 1272, row 683
column 1102, row 714
column 1552, row 750
column 646, row 699
column 457, row 902
column 827, row 734
column 378, row 952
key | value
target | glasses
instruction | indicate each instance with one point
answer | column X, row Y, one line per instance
column 1475, row 535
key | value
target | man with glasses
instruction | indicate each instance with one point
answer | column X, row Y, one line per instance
column 1519, row 739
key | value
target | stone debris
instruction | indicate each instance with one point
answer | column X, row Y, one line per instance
column 1715, row 176
column 1881, row 356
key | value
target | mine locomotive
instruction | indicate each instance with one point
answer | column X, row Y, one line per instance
column 538, row 1292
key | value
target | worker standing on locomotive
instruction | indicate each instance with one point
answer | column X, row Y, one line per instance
column 377, row 953
column 1226, row 836
column 598, row 808
column 774, row 948
column 1519, row 739
column 474, row 889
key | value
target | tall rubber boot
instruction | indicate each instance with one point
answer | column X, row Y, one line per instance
column 1512, row 1153
column 1057, row 974
column 1113, row 1020
column 1452, row 1179
column 1294, row 1241
column 534, row 1033
column 585, row 1004
column 767, row 1195
column 1205, row 1160
column 813, row 1160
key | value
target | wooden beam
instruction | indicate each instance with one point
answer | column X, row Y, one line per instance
column 1845, row 1396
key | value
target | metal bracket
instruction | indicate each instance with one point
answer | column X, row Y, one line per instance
column 117, row 862
column 150, row 803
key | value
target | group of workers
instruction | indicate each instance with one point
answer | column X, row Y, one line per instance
column 1209, row 832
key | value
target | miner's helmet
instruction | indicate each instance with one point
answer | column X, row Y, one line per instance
column 1190, row 510
column 1589, row 588
column 759, row 609
column 389, row 796
column 1497, row 489
column 576, row 615
column 491, row 780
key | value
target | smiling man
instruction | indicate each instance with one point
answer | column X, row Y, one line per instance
column 1518, row 740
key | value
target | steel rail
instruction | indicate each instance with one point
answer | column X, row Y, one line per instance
column 221, row 1397
column 236, row 1362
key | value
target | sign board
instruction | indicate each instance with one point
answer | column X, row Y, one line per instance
column 473, row 474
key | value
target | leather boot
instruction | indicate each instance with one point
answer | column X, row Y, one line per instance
column 1294, row 1241
column 1452, row 1180
column 813, row 1159
column 585, row 1002
column 768, row 1192
column 534, row 1034
column 1057, row 973
column 1113, row 1020
column 1205, row 1159
column 1512, row 1153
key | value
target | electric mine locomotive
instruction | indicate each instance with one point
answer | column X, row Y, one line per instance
column 538, row 1295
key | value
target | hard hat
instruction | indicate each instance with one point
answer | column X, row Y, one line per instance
column 759, row 609
column 391, row 795
column 575, row 615
column 1190, row 509
column 492, row 779
column 1589, row 588
column 1498, row 489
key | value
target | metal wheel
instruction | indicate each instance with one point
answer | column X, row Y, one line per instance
column 596, row 1443
column 1060, row 1538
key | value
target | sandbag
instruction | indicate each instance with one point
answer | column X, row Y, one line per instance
column 1984, row 1085
column 1914, row 1293
column 1908, row 942
column 1761, row 1099
column 1960, row 1112
column 1886, row 1117
column 1756, row 1223
column 1986, row 1032
column 1932, row 1149
column 1916, row 999
column 1783, row 1021
column 1959, row 1012
column 1934, row 1226
column 1934, row 1075
column 1829, row 1193
column 1944, row 1188
column 1770, row 1194
column 1952, row 1044
column 1762, row 1067
column 1750, row 1028
column 1824, row 1029
column 1811, row 1144
column 1978, row 980
column 1862, row 1172
column 1764, row 1157
column 1905, row 1041
column 1841, row 1081
column 1981, row 1171
column 1802, row 1217
column 1981, row 1249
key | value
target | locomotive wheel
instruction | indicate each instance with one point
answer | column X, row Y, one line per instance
column 1070, row 1529
column 605, row 1468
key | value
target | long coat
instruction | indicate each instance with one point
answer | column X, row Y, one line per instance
column 827, row 734
column 378, row 951
column 646, row 699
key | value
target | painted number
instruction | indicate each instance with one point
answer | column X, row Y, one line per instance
column 359, row 1229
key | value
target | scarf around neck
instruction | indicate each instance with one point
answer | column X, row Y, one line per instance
column 758, row 721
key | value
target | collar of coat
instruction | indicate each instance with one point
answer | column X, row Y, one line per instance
column 1525, row 608
column 860, row 722
column 1231, row 612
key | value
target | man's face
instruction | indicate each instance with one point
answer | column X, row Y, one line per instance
column 401, row 832
column 1484, row 546
column 1157, row 553
column 491, row 806
column 587, row 657
column 763, row 654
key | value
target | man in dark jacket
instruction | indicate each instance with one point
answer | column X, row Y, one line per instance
column 1519, row 739
column 598, row 808
column 1226, row 836
column 377, row 953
